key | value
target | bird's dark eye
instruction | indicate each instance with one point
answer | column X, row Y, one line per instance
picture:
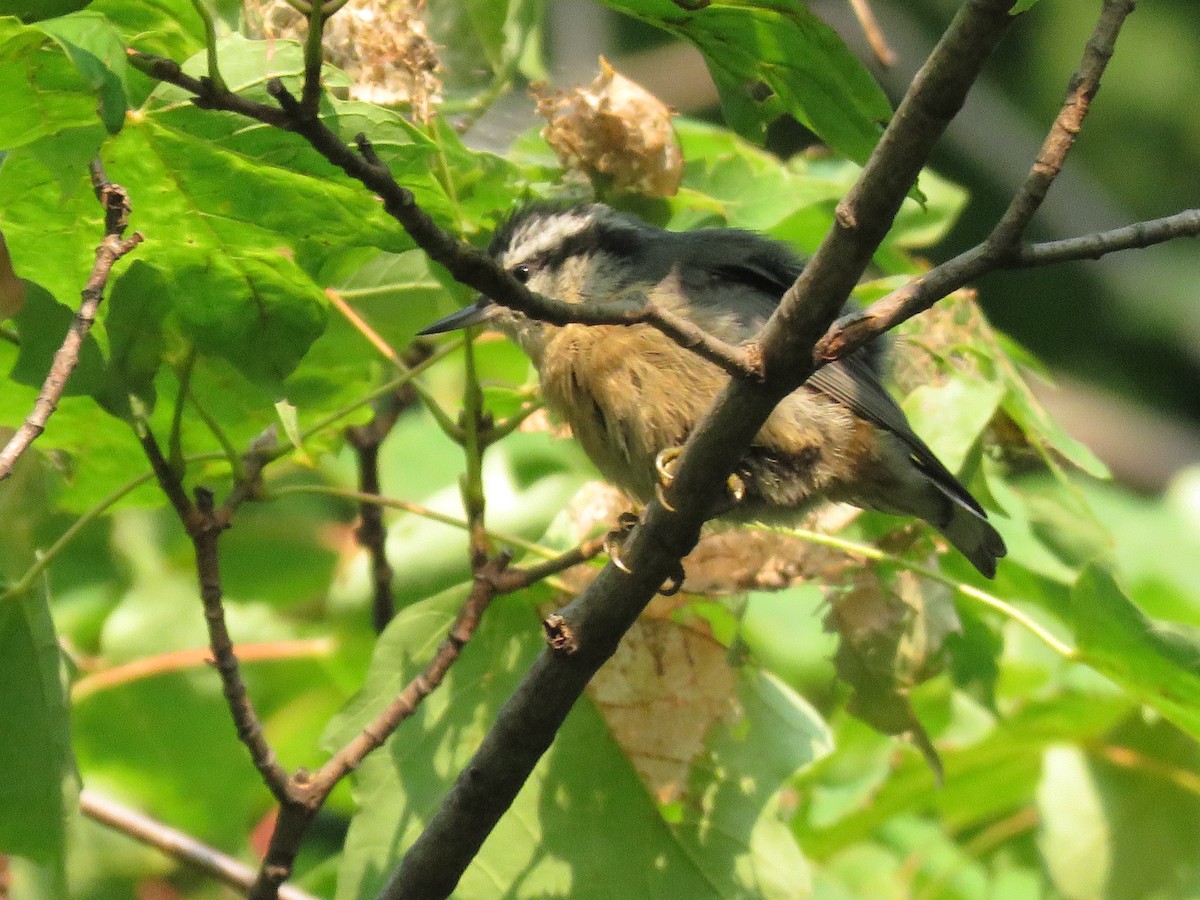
column 522, row 272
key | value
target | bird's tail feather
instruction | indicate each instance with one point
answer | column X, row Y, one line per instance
column 969, row 530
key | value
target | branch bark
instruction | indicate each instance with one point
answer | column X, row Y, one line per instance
column 371, row 532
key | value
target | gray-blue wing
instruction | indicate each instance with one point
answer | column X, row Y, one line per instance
column 852, row 381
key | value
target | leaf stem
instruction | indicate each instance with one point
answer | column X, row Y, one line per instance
column 210, row 44
column 232, row 456
column 25, row 582
column 407, row 506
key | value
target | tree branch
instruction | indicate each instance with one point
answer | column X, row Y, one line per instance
column 115, row 201
column 204, row 528
column 598, row 619
column 1001, row 249
column 467, row 264
column 1093, row 246
column 371, row 533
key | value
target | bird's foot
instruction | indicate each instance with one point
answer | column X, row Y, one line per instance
column 665, row 464
column 612, row 546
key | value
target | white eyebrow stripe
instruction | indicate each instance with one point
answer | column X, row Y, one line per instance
column 541, row 234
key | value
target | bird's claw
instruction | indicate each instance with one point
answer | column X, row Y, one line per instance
column 612, row 546
column 736, row 485
column 664, row 465
column 616, row 537
column 674, row 583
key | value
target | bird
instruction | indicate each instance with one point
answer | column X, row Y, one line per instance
column 631, row 395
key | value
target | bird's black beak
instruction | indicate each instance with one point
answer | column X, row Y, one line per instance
column 479, row 311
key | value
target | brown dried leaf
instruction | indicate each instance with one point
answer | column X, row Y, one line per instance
column 617, row 129
column 383, row 45
column 661, row 694
column 729, row 560
column 949, row 333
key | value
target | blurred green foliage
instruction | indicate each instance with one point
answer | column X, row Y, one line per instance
column 1063, row 699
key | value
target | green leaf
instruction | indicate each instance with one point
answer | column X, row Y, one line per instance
column 733, row 825
column 43, row 90
column 1038, row 424
column 137, row 307
column 396, row 293
column 988, row 777
column 951, row 416
column 35, row 10
column 168, row 28
column 1155, row 661
column 814, row 75
column 583, row 825
column 741, row 111
column 752, row 187
column 96, row 49
column 925, row 222
column 231, row 232
column 36, row 750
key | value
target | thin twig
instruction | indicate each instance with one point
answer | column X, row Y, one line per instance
column 174, row 843
column 115, row 201
column 483, row 591
column 307, row 792
column 516, row 579
column 371, row 533
column 204, row 528
column 872, row 32
column 1002, row 248
column 1093, row 246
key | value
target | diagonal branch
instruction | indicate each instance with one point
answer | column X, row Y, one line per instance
column 597, row 620
column 116, row 218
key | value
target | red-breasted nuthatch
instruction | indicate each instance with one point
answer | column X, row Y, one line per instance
column 631, row 394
